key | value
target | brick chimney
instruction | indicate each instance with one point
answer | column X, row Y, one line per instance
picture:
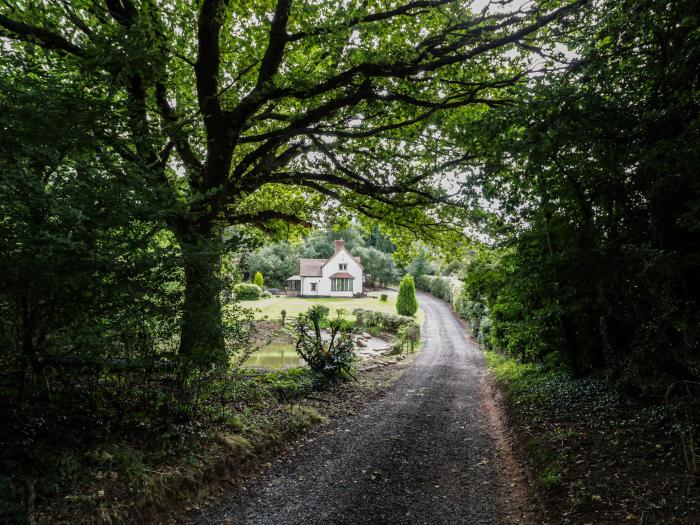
column 339, row 244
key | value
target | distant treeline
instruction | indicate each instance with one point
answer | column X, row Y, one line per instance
column 279, row 260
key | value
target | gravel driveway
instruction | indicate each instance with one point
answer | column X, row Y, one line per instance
column 422, row 454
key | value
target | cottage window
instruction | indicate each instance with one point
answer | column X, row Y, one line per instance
column 341, row 285
column 343, row 266
column 313, row 287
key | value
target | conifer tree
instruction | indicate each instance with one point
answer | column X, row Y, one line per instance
column 406, row 303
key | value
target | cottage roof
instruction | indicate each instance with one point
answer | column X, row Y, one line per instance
column 311, row 267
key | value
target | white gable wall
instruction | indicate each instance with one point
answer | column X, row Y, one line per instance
column 332, row 267
column 307, row 285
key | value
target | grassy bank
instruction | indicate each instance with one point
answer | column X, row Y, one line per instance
column 597, row 455
column 144, row 475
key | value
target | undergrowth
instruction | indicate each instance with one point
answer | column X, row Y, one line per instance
column 132, row 476
column 598, row 455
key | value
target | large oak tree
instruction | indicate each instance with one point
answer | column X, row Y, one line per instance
column 230, row 104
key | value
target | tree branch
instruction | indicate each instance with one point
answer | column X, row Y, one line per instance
column 275, row 48
column 374, row 17
column 263, row 217
column 209, row 56
column 182, row 146
column 38, row 35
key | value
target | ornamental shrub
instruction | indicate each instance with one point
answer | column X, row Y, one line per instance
column 258, row 279
column 332, row 360
column 383, row 297
column 247, row 291
column 406, row 303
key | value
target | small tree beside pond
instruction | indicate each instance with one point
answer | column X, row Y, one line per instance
column 258, row 279
column 408, row 335
column 406, row 303
column 332, row 360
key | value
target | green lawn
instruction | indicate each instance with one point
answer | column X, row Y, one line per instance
column 271, row 307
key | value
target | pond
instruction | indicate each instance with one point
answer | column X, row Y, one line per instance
column 275, row 355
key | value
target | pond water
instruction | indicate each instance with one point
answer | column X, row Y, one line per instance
column 275, row 355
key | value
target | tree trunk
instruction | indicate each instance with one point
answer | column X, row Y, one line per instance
column 202, row 336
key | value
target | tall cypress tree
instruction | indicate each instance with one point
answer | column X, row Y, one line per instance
column 406, row 303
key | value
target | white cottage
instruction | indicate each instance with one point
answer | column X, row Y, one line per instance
column 339, row 276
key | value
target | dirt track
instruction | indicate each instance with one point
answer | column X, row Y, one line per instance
column 422, row 454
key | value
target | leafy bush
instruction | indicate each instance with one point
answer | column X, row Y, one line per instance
column 441, row 287
column 383, row 297
column 247, row 291
column 406, row 303
column 409, row 334
column 319, row 311
column 332, row 360
column 283, row 315
column 289, row 384
column 258, row 279
column 389, row 322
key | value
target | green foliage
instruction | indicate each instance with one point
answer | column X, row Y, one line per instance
column 318, row 312
column 320, row 244
column 549, row 480
column 599, row 204
column 258, row 279
column 247, row 291
column 421, row 265
column 379, row 267
column 277, row 261
column 406, row 302
column 386, row 321
column 290, row 384
column 409, row 335
column 383, row 297
column 439, row 286
column 332, row 360
column 283, row 316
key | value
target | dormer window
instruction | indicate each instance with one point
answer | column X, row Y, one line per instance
column 342, row 266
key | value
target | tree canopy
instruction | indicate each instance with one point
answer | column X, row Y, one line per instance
column 237, row 110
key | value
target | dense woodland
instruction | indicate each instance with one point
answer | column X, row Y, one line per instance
column 537, row 166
